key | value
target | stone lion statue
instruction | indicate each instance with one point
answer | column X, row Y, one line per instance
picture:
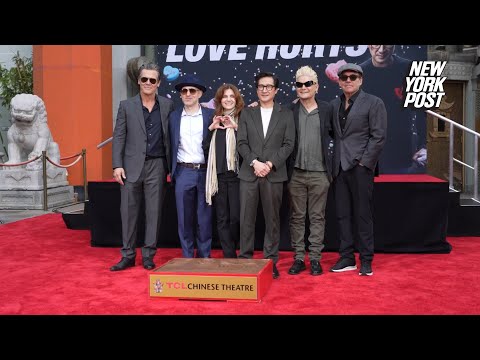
column 133, row 66
column 29, row 134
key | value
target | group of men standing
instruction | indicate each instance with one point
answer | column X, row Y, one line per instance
column 277, row 144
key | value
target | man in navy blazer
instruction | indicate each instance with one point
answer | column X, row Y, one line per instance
column 140, row 152
column 188, row 127
column 360, row 128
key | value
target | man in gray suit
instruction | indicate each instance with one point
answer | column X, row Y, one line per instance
column 265, row 139
column 360, row 127
column 141, row 149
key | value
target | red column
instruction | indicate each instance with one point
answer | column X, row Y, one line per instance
column 75, row 82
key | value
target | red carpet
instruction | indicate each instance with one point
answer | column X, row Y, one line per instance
column 408, row 178
column 49, row 269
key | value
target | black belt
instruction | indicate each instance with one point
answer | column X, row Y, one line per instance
column 192, row 166
column 152, row 157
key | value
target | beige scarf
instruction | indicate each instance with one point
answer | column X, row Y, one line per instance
column 211, row 184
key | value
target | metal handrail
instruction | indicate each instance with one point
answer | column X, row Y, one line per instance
column 451, row 159
column 103, row 143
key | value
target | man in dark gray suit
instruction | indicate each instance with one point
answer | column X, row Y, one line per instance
column 360, row 127
column 141, row 149
column 265, row 139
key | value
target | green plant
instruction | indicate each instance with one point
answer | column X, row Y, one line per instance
column 16, row 80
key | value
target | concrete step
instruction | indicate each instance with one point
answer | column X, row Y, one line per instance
column 468, row 202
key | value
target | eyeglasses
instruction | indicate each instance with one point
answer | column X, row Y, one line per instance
column 185, row 91
column 299, row 84
column 351, row 77
column 265, row 87
column 153, row 81
column 387, row 47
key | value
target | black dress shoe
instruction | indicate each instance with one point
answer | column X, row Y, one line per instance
column 297, row 267
column 123, row 264
column 148, row 263
column 275, row 274
column 315, row 267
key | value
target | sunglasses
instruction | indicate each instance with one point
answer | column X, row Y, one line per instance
column 185, row 91
column 307, row 84
column 351, row 77
column 153, row 81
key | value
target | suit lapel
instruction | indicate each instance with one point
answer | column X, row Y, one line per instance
column 273, row 120
column 206, row 123
column 356, row 105
column 163, row 116
column 322, row 116
column 257, row 120
column 175, row 122
column 296, row 111
column 139, row 112
column 336, row 110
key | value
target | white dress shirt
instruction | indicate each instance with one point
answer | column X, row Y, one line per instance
column 266, row 116
column 191, row 135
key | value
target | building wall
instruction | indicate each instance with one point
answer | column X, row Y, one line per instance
column 75, row 82
column 6, row 54
column 121, row 84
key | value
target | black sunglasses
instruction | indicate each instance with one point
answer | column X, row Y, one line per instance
column 184, row 91
column 153, row 81
column 299, row 84
column 345, row 77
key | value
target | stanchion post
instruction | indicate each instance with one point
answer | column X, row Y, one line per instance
column 44, row 167
column 85, row 182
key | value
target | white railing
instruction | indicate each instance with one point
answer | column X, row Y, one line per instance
column 451, row 159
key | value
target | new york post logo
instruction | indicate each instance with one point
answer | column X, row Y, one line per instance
column 424, row 87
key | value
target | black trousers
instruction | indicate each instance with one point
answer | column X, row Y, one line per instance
column 354, row 207
column 227, row 208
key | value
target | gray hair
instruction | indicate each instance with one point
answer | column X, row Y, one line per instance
column 149, row 66
column 306, row 71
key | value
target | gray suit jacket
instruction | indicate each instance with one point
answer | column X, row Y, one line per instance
column 364, row 135
column 130, row 136
column 276, row 146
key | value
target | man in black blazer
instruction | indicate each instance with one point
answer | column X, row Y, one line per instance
column 265, row 139
column 310, row 171
column 360, row 128
column 140, row 151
